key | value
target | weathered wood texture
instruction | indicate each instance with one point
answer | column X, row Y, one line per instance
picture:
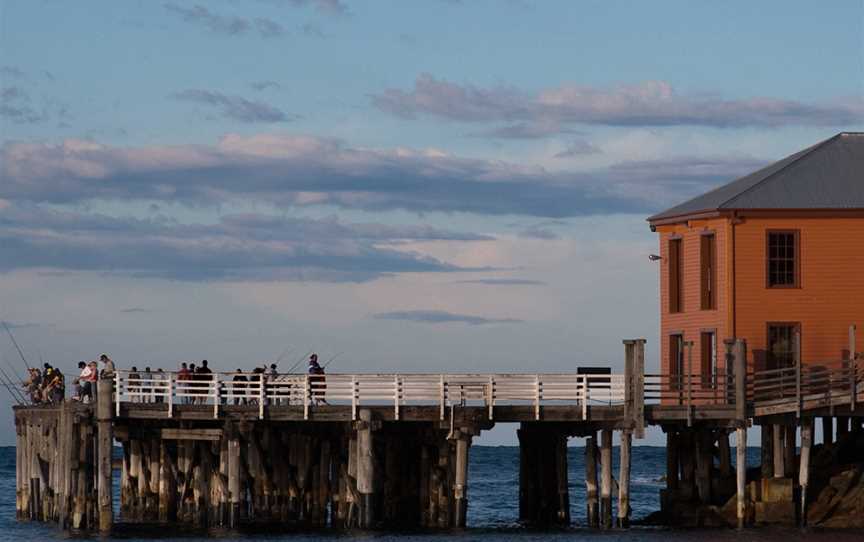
column 543, row 484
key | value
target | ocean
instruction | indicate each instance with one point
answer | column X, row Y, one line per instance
column 492, row 514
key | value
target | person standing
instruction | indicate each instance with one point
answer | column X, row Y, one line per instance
column 317, row 380
column 108, row 369
column 203, row 375
column 238, row 387
column 183, row 376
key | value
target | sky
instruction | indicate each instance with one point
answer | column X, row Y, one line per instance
column 428, row 186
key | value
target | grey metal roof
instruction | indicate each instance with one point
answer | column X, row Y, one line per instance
column 828, row 175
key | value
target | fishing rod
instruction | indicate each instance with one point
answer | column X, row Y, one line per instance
column 284, row 353
column 20, row 352
column 298, row 362
column 6, row 381
column 331, row 360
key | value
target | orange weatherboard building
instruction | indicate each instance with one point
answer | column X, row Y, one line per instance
column 769, row 256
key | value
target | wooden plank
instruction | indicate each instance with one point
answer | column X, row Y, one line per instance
column 172, row 433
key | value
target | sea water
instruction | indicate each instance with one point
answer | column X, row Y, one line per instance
column 492, row 514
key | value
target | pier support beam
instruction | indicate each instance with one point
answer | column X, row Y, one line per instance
column 543, row 486
column 624, row 480
column 366, row 470
column 804, row 466
column 104, row 397
column 741, row 475
column 778, row 441
column 827, row 430
column 460, row 487
column 591, row 495
column 606, row 478
column 234, row 482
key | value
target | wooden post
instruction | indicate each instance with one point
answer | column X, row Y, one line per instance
column 104, row 396
column 234, row 481
column 777, row 435
column 789, row 451
column 689, row 346
column 562, row 479
column 591, row 497
column 366, row 469
column 804, row 466
column 767, row 450
column 672, row 468
column 741, row 474
column 639, row 388
column 796, row 346
column 606, row 478
column 460, row 487
column 740, row 370
column 704, row 462
column 624, row 480
column 853, row 369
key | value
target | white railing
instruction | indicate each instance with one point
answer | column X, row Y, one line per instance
column 355, row 390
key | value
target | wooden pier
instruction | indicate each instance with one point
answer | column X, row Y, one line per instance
column 387, row 451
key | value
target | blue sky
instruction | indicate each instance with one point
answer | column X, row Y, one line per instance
column 437, row 185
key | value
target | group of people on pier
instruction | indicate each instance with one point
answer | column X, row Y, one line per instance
column 48, row 385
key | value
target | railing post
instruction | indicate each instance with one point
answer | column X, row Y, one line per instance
column 354, row 393
column 216, row 394
column 491, row 396
column 629, row 355
column 689, row 346
column 443, row 396
column 261, row 395
column 536, row 397
column 853, row 369
column 306, row 394
column 170, row 395
column 117, row 382
column 740, row 370
column 639, row 388
column 396, row 396
column 796, row 338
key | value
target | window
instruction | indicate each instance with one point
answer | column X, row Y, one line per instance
column 783, row 259
column 781, row 345
column 676, row 278
column 707, row 252
column 676, row 359
column 708, row 355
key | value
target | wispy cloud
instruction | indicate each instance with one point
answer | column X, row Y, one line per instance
column 236, row 107
column 15, row 106
column 578, row 148
column 503, row 282
column 132, row 310
column 264, row 85
column 329, row 7
column 229, row 25
column 557, row 109
column 289, row 171
column 11, row 71
column 442, row 317
column 239, row 247
column 22, row 325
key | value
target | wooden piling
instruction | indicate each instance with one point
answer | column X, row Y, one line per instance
column 234, row 482
column 460, row 487
column 778, row 437
column 366, row 469
column 704, row 463
column 827, row 430
column 606, row 478
column 725, row 453
column 804, row 466
column 624, row 480
column 104, row 413
column 591, row 494
column 741, row 475
column 562, row 478
column 789, row 447
column 767, row 451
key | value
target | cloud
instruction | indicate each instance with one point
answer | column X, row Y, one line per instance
column 11, row 71
column 264, row 85
column 503, row 282
column 132, row 310
column 441, row 317
column 15, row 106
column 556, row 109
column 293, row 170
column 225, row 24
column 331, row 7
column 235, row 107
column 249, row 247
column 578, row 148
